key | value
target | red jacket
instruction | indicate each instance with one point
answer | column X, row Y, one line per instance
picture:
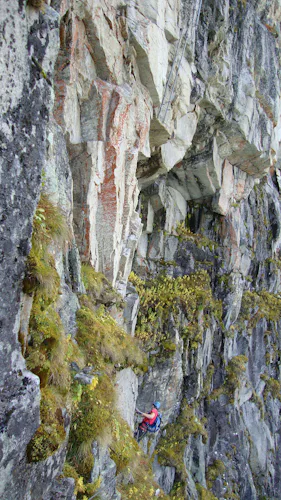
column 151, row 421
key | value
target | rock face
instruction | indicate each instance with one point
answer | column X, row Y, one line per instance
column 127, row 392
column 244, row 430
column 30, row 41
column 104, row 468
column 157, row 128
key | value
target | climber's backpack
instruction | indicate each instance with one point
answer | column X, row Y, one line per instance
column 156, row 425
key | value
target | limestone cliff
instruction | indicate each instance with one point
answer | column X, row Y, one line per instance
column 140, row 248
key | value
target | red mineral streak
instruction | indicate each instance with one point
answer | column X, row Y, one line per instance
column 113, row 119
column 113, row 110
column 60, row 93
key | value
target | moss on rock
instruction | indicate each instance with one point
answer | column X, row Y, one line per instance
column 215, row 470
column 51, row 433
column 171, row 447
column 49, row 350
column 98, row 288
column 49, row 226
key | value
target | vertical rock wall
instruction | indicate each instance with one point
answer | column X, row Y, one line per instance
column 29, row 46
column 180, row 100
column 240, row 408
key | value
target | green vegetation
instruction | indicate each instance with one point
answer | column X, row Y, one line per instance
column 215, row 470
column 178, row 491
column 207, row 382
column 104, row 345
column 93, row 281
column 273, row 386
column 50, row 434
column 140, row 468
column 234, row 372
column 48, row 350
column 185, row 234
column 82, row 490
column 103, row 342
column 96, row 405
column 205, row 494
column 258, row 402
column 49, row 226
column 275, row 262
column 165, row 295
column 100, row 343
column 225, row 280
column 258, row 305
column 171, row 447
column 38, row 4
column 98, row 288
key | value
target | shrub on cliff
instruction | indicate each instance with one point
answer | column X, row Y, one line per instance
column 49, row 227
column 205, row 494
column 37, row 4
column 103, row 341
column 185, row 234
column 258, row 305
column 164, row 295
column 91, row 419
column 98, row 288
column 172, row 446
column 48, row 350
column 51, row 433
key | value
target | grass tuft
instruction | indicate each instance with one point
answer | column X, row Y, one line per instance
column 104, row 342
column 49, row 227
column 50, row 434
column 98, row 288
column 49, row 350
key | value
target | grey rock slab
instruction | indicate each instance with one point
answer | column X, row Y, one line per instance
column 131, row 309
column 63, row 489
column 126, row 386
column 67, row 306
column 105, row 468
column 164, row 476
column 261, row 438
column 163, row 383
column 27, row 54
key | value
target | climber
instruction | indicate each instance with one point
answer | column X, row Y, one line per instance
column 148, row 421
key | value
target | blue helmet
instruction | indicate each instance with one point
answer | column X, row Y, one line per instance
column 157, row 404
